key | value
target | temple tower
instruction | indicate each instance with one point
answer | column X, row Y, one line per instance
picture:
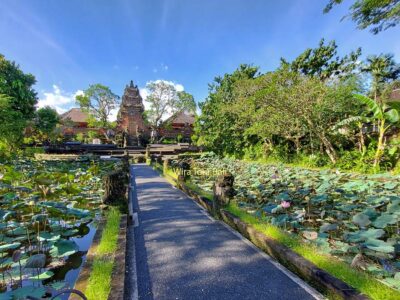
column 130, row 117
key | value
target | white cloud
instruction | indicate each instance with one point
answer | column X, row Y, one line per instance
column 58, row 99
column 113, row 114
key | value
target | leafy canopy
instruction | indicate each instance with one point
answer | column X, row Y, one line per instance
column 99, row 101
column 165, row 100
column 12, row 123
column 215, row 127
column 323, row 62
column 377, row 14
column 18, row 86
column 46, row 120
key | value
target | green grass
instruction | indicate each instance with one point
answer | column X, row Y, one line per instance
column 359, row 280
column 99, row 285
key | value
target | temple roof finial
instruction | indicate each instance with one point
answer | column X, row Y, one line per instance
column 131, row 84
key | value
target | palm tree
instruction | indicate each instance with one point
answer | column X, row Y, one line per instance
column 382, row 68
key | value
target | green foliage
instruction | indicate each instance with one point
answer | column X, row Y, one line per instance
column 323, row 62
column 12, row 124
column 17, row 85
column 164, row 100
column 217, row 128
column 186, row 102
column 99, row 101
column 379, row 15
column 383, row 70
column 46, row 121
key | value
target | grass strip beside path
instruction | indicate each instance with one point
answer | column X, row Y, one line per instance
column 99, row 285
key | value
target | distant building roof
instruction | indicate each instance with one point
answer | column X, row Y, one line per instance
column 395, row 95
column 181, row 118
column 76, row 115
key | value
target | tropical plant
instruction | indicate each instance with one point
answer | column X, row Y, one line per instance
column 384, row 116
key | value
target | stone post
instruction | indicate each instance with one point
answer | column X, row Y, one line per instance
column 184, row 170
column 148, row 152
column 223, row 192
column 165, row 165
column 115, row 187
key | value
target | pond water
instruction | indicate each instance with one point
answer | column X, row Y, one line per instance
column 48, row 218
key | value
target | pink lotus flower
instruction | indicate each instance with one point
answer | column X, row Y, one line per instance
column 285, row 204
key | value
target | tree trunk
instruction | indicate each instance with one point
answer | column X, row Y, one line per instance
column 362, row 140
column 328, row 147
column 381, row 145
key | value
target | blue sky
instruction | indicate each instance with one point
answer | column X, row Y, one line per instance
column 69, row 44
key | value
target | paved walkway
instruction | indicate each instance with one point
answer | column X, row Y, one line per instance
column 182, row 253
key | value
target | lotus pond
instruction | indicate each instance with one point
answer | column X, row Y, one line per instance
column 353, row 217
column 48, row 215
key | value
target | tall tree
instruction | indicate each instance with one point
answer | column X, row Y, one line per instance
column 292, row 106
column 186, row 102
column 383, row 69
column 214, row 127
column 99, row 101
column 46, row 120
column 323, row 62
column 165, row 100
column 12, row 124
column 18, row 86
column 377, row 14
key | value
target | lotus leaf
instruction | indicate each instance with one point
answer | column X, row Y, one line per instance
column 364, row 235
column 328, row 227
column 379, row 246
column 371, row 213
column 11, row 246
column 70, row 232
column 48, row 236
column 362, row 220
column 32, row 291
column 279, row 220
column 385, row 219
column 43, row 276
column 39, row 218
column 63, row 248
column 394, row 207
column 278, row 209
column 17, row 231
column 36, row 261
column 320, row 198
column 283, row 196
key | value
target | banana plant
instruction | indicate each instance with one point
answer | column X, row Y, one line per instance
column 384, row 116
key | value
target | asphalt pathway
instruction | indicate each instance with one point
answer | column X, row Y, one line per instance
column 182, row 253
